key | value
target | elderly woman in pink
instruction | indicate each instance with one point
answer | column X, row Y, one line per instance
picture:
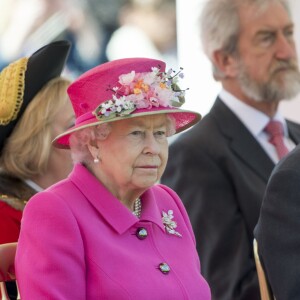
column 109, row 231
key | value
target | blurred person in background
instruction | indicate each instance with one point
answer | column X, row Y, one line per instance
column 106, row 14
column 34, row 108
column 30, row 24
column 151, row 24
column 220, row 168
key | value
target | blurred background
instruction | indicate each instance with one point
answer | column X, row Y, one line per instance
column 102, row 30
column 99, row 30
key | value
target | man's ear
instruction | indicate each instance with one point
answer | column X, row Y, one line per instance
column 226, row 63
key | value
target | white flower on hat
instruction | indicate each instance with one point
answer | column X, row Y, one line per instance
column 142, row 90
column 126, row 79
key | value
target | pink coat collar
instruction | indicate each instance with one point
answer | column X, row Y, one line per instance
column 115, row 213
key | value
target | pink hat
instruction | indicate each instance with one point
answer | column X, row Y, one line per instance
column 126, row 88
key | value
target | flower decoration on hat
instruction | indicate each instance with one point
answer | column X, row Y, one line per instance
column 170, row 224
column 142, row 90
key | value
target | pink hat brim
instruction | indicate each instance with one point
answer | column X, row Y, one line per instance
column 183, row 119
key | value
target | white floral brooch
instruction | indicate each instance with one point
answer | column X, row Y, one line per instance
column 169, row 224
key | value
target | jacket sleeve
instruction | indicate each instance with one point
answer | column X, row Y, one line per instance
column 278, row 233
column 50, row 255
column 223, row 242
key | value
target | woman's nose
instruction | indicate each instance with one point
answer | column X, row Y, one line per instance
column 151, row 145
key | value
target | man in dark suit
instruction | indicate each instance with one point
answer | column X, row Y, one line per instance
column 278, row 229
column 221, row 166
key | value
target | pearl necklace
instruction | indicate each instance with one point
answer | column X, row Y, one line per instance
column 137, row 208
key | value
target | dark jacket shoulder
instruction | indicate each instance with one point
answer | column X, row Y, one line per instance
column 14, row 191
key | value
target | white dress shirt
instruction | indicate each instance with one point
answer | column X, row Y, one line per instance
column 33, row 185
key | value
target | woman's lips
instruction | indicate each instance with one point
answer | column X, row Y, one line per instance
column 148, row 167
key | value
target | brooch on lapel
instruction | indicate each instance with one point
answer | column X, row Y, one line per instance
column 169, row 224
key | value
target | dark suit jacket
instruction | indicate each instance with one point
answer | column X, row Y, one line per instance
column 278, row 228
column 220, row 172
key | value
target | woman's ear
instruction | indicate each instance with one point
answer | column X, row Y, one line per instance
column 226, row 63
column 94, row 150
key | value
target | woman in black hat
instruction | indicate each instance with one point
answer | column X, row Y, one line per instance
column 34, row 108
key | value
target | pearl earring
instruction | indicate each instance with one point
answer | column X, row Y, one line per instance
column 96, row 160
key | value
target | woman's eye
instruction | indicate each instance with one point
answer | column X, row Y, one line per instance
column 160, row 133
column 136, row 133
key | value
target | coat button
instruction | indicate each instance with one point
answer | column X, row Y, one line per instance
column 141, row 233
column 164, row 268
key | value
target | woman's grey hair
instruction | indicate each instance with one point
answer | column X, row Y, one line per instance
column 80, row 140
column 220, row 25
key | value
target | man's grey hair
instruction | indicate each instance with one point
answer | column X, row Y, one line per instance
column 220, row 25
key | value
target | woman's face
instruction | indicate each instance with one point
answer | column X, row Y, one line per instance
column 134, row 155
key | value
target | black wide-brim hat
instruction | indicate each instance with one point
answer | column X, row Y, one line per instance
column 21, row 80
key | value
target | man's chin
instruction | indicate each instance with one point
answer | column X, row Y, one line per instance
column 285, row 85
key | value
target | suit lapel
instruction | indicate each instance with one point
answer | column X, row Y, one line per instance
column 294, row 131
column 241, row 141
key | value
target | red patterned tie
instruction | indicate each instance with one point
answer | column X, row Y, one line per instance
column 275, row 131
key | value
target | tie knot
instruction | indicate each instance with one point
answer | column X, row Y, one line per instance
column 275, row 131
column 274, row 128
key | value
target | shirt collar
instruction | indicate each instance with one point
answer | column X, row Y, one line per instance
column 33, row 185
column 252, row 118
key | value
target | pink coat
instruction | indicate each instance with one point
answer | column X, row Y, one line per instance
column 79, row 242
